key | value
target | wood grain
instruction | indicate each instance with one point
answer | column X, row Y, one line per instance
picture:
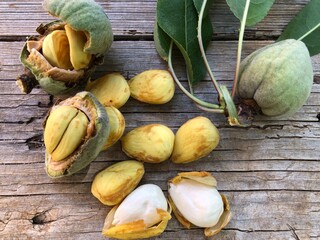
column 135, row 19
column 270, row 171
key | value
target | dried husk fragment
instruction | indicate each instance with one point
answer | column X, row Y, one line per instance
column 203, row 178
column 87, row 145
column 114, row 183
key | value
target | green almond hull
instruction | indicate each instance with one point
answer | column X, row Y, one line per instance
column 89, row 151
column 49, row 84
column 87, row 16
column 82, row 15
column 278, row 77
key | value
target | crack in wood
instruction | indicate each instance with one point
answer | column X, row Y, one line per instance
column 32, row 119
column 4, row 222
column 293, row 231
column 277, row 137
column 35, row 142
column 268, row 190
column 17, row 38
column 269, row 126
column 302, row 126
column 232, row 191
column 256, row 230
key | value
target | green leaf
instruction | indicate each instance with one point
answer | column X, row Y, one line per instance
column 258, row 10
column 178, row 19
column 198, row 5
column 162, row 41
column 306, row 20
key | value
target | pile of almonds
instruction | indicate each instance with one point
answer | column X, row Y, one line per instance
column 78, row 128
column 144, row 211
column 61, row 61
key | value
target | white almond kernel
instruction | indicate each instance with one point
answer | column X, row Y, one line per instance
column 200, row 204
column 142, row 203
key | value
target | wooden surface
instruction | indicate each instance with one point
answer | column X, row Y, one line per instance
column 270, row 172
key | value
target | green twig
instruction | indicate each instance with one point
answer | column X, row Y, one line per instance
column 310, row 31
column 206, row 105
column 233, row 117
column 240, row 43
column 215, row 83
column 210, row 109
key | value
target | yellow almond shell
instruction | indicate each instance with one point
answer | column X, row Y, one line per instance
column 77, row 40
column 152, row 143
column 111, row 90
column 92, row 115
column 55, row 49
column 72, row 138
column 201, row 177
column 195, row 139
column 117, row 126
column 152, row 86
column 114, row 183
column 224, row 219
column 66, row 128
column 86, row 16
column 136, row 229
column 57, row 123
column 68, row 63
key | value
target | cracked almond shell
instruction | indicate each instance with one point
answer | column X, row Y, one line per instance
column 203, row 181
column 90, row 35
column 90, row 142
column 144, row 213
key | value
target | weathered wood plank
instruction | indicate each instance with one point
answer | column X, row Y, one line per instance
column 276, row 130
column 269, row 171
column 123, row 58
column 44, row 100
column 126, row 57
column 32, row 151
column 136, row 18
column 183, row 234
column 25, row 114
column 255, row 214
column 23, row 179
